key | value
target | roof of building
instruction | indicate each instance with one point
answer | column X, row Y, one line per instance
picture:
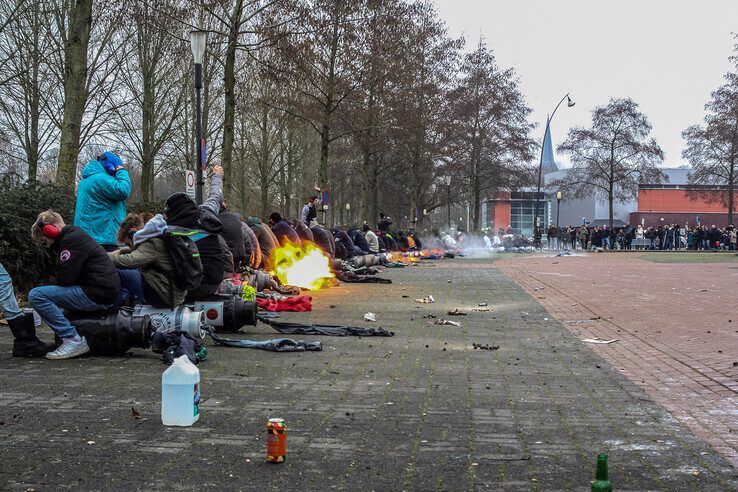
column 675, row 176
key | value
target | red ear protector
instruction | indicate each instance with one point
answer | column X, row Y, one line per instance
column 49, row 230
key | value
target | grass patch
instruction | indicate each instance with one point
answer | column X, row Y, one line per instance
column 691, row 257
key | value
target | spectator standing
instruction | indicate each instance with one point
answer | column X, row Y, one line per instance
column 101, row 199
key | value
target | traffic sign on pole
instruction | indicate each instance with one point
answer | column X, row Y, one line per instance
column 190, row 182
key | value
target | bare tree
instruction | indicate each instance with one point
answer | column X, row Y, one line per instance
column 419, row 106
column 24, row 44
column 489, row 138
column 712, row 148
column 78, row 20
column 154, row 77
column 611, row 157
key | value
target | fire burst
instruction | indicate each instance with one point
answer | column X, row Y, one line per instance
column 305, row 267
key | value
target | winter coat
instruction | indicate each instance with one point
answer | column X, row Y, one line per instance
column 152, row 257
column 267, row 242
column 251, row 245
column 101, row 202
column 284, row 232
column 346, row 242
column 182, row 212
column 371, row 238
column 359, row 240
column 324, row 240
column 83, row 262
column 304, row 232
column 233, row 235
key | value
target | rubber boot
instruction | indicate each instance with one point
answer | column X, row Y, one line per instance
column 26, row 342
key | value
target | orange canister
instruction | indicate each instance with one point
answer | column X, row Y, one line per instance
column 276, row 440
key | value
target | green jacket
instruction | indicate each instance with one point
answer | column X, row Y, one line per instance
column 157, row 269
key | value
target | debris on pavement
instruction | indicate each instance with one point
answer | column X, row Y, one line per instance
column 426, row 300
column 429, row 316
column 370, row 317
column 600, row 341
column 485, row 346
column 482, row 304
column 456, row 312
column 446, row 322
column 481, row 310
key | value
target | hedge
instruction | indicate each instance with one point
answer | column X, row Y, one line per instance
column 28, row 263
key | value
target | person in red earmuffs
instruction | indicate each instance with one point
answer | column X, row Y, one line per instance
column 86, row 280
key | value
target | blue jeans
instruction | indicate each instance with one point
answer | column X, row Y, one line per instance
column 8, row 304
column 131, row 286
column 49, row 299
column 605, row 243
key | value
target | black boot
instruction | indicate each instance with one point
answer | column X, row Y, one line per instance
column 26, row 342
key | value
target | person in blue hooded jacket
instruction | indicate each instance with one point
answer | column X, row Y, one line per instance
column 101, row 199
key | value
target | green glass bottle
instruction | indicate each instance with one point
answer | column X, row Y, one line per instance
column 601, row 483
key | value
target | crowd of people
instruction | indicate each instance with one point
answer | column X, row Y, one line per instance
column 669, row 237
column 108, row 258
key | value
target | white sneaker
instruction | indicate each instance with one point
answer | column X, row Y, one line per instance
column 69, row 348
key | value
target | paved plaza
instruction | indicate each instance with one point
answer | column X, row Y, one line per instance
column 423, row 410
column 674, row 316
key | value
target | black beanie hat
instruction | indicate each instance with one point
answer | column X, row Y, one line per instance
column 181, row 210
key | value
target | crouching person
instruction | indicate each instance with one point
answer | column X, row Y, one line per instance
column 26, row 342
column 147, row 273
column 86, row 280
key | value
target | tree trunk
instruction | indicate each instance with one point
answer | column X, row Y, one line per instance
column 328, row 108
column 731, row 192
column 75, row 91
column 147, row 136
column 264, row 160
column 229, row 83
column 373, row 191
column 34, row 103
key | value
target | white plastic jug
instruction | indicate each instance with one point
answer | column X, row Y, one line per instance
column 180, row 393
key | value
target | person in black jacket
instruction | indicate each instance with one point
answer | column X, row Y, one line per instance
column 360, row 241
column 323, row 238
column 86, row 280
column 385, row 221
column 181, row 211
column 283, row 230
column 233, row 235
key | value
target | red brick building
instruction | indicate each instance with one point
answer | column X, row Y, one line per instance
column 669, row 202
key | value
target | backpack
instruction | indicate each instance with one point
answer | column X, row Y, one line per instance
column 186, row 257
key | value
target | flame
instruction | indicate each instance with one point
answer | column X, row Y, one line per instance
column 306, row 267
column 400, row 257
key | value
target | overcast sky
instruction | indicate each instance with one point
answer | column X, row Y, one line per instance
column 668, row 55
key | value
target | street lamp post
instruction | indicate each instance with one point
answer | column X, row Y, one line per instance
column 348, row 213
column 558, row 207
column 536, row 226
column 197, row 43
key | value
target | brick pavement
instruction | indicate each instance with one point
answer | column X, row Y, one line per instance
column 677, row 327
column 420, row 411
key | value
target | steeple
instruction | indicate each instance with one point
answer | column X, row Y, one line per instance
column 549, row 165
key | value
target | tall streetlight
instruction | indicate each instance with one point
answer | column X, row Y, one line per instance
column 197, row 43
column 447, row 181
column 558, row 207
column 536, row 227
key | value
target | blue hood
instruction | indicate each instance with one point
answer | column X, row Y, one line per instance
column 94, row 167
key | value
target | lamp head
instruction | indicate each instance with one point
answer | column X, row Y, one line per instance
column 197, row 43
column 558, row 195
column 569, row 102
